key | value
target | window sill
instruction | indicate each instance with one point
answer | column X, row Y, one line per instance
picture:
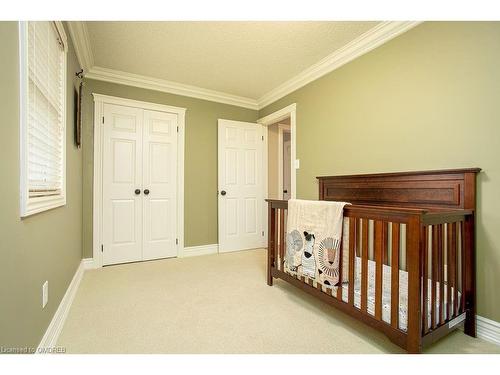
column 41, row 204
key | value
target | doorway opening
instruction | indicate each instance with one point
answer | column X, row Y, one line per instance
column 279, row 151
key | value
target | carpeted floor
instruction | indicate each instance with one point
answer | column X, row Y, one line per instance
column 217, row 304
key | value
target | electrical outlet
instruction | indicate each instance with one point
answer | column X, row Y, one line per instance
column 45, row 293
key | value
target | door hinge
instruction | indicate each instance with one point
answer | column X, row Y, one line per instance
column 176, row 241
column 262, row 233
column 262, row 137
column 102, row 248
column 177, row 129
column 103, row 119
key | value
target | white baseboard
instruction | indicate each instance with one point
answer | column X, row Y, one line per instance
column 88, row 263
column 488, row 330
column 200, row 250
column 49, row 339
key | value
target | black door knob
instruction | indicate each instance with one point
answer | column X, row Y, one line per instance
column 223, row 192
column 137, row 191
column 285, row 191
column 146, row 191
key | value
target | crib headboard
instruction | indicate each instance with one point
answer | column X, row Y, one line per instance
column 440, row 189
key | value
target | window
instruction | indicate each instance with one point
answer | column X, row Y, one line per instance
column 43, row 116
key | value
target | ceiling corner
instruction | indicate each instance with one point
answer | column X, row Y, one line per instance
column 366, row 42
column 81, row 41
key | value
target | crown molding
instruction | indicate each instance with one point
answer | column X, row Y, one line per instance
column 81, row 41
column 366, row 42
column 136, row 80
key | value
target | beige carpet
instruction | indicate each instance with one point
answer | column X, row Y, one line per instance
column 217, row 304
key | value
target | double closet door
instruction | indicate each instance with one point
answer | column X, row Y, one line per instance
column 139, row 184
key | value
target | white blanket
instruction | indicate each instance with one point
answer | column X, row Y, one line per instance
column 314, row 233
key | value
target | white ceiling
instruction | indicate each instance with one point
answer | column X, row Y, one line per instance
column 247, row 59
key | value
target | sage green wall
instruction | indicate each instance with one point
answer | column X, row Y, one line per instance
column 45, row 246
column 428, row 99
column 200, row 169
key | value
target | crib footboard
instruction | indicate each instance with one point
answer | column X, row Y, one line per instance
column 409, row 272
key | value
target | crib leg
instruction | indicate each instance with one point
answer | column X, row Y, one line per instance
column 269, row 278
column 470, row 278
column 271, row 243
column 414, row 344
column 269, row 266
column 414, row 350
column 470, row 324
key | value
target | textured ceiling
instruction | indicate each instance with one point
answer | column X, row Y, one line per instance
column 241, row 58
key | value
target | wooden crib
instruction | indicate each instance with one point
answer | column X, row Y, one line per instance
column 420, row 222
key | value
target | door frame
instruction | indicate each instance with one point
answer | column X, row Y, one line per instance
column 99, row 102
column 282, row 129
column 273, row 118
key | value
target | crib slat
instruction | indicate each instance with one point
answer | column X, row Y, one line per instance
column 441, row 273
column 282, row 237
column 277, row 249
column 434, row 274
column 453, row 268
column 425, row 262
column 270, row 244
column 395, row 276
column 379, row 241
column 385, row 238
column 448, row 270
column 462, row 256
column 352, row 249
column 364, row 266
column 339, row 284
column 359, row 225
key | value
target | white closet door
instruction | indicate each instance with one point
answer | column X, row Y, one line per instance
column 122, row 176
column 159, row 185
column 240, row 185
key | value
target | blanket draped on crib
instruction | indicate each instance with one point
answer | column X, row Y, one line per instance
column 313, row 240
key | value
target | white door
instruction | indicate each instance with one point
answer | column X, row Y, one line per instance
column 287, row 155
column 122, row 177
column 160, row 185
column 139, row 184
column 241, row 197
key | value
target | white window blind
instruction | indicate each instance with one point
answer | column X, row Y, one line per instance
column 45, row 117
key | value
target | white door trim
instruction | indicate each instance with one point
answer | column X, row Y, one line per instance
column 281, row 129
column 99, row 101
column 273, row 118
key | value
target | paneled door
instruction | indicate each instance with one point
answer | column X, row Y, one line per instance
column 159, row 181
column 139, row 184
column 241, row 198
column 122, row 184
